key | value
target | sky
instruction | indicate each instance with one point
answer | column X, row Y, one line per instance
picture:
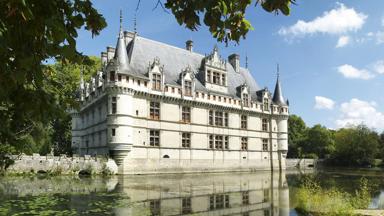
column 330, row 53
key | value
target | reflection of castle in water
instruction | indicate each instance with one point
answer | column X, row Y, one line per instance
column 262, row 193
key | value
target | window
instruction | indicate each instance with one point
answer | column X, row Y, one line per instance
column 138, row 82
column 264, row 126
column 188, row 88
column 209, row 76
column 266, row 104
column 173, row 89
column 113, row 132
column 218, row 142
column 216, row 78
column 226, row 119
column 245, row 100
column 154, row 207
column 266, row 212
column 156, row 82
column 112, row 76
column 186, row 206
column 210, row 117
column 186, row 114
column 226, row 142
column 119, row 77
column 266, row 195
column 245, row 197
column 154, row 138
column 114, row 105
column 218, row 118
column 211, row 141
column 244, row 122
column 244, row 143
column 127, row 79
column 223, row 79
column 186, row 140
column 218, row 201
column 265, row 144
column 154, row 110
column 145, row 83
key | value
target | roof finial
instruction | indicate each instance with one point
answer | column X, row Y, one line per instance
column 246, row 60
column 135, row 23
column 278, row 71
column 121, row 19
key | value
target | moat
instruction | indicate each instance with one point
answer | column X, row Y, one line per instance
column 258, row 193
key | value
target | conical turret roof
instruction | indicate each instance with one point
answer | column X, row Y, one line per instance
column 278, row 94
column 121, row 55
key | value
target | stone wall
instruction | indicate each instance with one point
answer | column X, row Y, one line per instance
column 58, row 165
column 304, row 163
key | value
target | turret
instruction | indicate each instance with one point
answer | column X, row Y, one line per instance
column 121, row 55
column 278, row 94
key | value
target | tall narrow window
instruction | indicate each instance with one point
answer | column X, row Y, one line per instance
column 208, row 76
column 226, row 119
column 244, row 143
column 113, row 132
column 266, row 195
column 186, row 140
column 223, row 79
column 266, row 105
column 112, row 76
column 245, row 100
column 154, row 138
column 264, row 126
column 186, row 114
column 216, row 78
column 218, row 118
column 188, row 88
column 210, row 117
column 218, row 142
column 156, row 82
column 154, row 110
column 186, row 206
column 265, row 144
column 211, row 141
column 244, row 122
column 114, row 105
column 245, row 197
column 226, row 142
column 119, row 77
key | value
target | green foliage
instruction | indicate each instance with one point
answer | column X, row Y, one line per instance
column 6, row 159
column 225, row 18
column 312, row 199
column 32, row 32
column 296, row 135
column 319, row 140
column 356, row 146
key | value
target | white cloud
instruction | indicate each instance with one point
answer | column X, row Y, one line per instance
column 379, row 37
column 343, row 41
column 357, row 112
column 324, row 103
column 378, row 67
column 336, row 21
column 351, row 72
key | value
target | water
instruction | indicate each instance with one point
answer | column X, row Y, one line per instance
column 258, row 193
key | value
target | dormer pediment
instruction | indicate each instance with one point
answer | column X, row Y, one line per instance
column 156, row 67
column 214, row 60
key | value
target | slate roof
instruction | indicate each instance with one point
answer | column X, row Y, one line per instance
column 278, row 94
column 142, row 51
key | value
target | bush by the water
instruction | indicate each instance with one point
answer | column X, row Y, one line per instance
column 312, row 199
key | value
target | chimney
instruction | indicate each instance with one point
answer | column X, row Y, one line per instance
column 234, row 60
column 128, row 36
column 189, row 45
column 110, row 53
column 104, row 58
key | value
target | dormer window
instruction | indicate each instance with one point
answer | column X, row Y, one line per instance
column 266, row 104
column 156, row 82
column 188, row 88
column 216, row 78
column 245, row 99
column 112, row 76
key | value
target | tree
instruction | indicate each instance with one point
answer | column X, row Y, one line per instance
column 319, row 140
column 225, row 18
column 296, row 135
column 356, row 146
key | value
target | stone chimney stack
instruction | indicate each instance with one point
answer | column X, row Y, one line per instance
column 189, row 45
column 234, row 60
column 104, row 59
column 110, row 53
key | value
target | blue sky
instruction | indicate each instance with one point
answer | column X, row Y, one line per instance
column 331, row 54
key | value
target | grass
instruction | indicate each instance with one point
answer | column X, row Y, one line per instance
column 312, row 199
